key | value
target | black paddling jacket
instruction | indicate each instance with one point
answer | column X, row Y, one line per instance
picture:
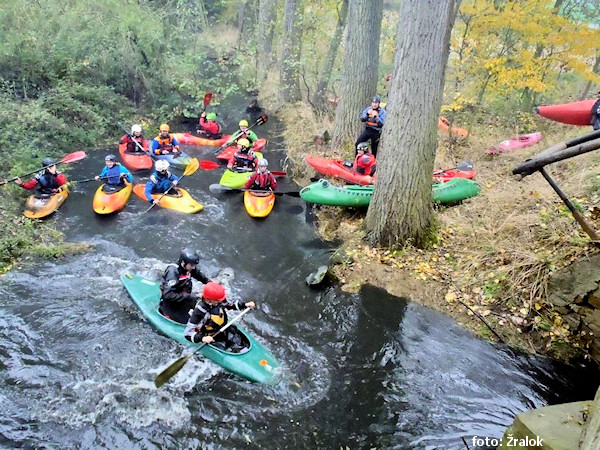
column 176, row 284
column 207, row 319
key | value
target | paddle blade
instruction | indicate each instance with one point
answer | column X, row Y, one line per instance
column 277, row 173
column 172, row 370
column 465, row 165
column 207, row 99
column 71, row 157
column 191, row 167
column 208, row 165
column 262, row 119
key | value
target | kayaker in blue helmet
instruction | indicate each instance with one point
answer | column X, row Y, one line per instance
column 177, row 300
column 160, row 181
column 373, row 116
column 209, row 317
column 114, row 173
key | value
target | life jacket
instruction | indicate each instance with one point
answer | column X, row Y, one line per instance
column 371, row 123
column 244, row 160
column 165, row 145
column 183, row 283
column 216, row 318
column 211, row 130
column 362, row 167
column 131, row 147
column 262, row 181
column 46, row 182
column 114, row 174
column 159, row 178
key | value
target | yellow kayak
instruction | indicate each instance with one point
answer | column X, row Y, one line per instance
column 259, row 204
column 182, row 202
column 36, row 208
column 110, row 199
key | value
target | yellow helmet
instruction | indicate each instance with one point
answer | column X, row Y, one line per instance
column 164, row 127
column 244, row 142
column 243, row 123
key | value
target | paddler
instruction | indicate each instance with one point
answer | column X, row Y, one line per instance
column 160, row 181
column 46, row 182
column 114, row 173
column 262, row 179
column 373, row 116
column 208, row 126
column 243, row 159
column 365, row 162
column 177, row 300
column 209, row 316
column 131, row 139
column 164, row 143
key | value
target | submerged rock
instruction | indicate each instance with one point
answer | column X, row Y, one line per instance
column 317, row 277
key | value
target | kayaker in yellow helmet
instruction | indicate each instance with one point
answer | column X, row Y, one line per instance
column 209, row 316
column 244, row 159
column 164, row 143
column 177, row 299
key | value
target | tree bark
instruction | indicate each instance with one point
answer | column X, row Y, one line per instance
column 588, row 85
column 360, row 74
column 401, row 209
column 334, row 45
column 266, row 29
column 289, row 80
column 247, row 17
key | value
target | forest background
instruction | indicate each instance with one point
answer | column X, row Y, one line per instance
column 72, row 71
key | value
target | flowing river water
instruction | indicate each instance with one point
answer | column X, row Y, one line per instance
column 77, row 360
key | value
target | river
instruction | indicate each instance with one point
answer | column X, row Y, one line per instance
column 77, row 360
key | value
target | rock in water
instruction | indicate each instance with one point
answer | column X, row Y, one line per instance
column 316, row 278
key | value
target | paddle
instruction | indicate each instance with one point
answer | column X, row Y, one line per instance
column 261, row 120
column 217, row 189
column 465, row 165
column 71, row 157
column 208, row 165
column 87, row 180
column 147, row 152
column 189, row 169
column 207, row 99
column 178, row 364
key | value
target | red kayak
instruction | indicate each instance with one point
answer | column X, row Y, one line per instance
column 575, row 113
column 335, row 168
column 447, row 175
column 190, row 139
column 226, row 154
column 135, row 160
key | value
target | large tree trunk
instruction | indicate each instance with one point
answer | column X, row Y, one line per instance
column 266, row 28
column 360, row 74
column 401, row 209
column 588, row 86
column 289, row 84
column 247, row 17
column 334, row 45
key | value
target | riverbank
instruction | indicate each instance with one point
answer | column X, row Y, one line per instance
column 495, row 254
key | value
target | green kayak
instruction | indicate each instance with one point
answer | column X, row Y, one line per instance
column 236, row 180
column 256, row 364
column 325, row 193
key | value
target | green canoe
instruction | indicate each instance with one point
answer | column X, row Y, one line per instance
column 325, row 193
column 256, row 364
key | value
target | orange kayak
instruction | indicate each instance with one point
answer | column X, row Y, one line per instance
column 190, row 139
column 135, row 160
column 110, row 199
column 182, row 202
column 36, row 208
column 444, row 125
column 226, row 154
column 259, row 204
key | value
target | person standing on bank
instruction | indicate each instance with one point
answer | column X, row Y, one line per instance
column 374, row 118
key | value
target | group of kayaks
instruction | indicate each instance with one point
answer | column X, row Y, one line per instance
column 450, row 186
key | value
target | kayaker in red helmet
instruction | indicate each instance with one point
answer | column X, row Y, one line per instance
column 209, row 317
column 365, row 162
column 262, row 179
column 208, row 126
column 373, row 116
column 244, row 159
column 177, row 300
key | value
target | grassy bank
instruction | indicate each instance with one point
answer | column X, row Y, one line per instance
column 494, row 253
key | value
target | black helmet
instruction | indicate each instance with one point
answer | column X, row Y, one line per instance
column 110, row 158
column 48, row 162
column 377, row 99
column 189, row 257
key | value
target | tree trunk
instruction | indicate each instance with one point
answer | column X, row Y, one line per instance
column 360, row 74
column 588, row 85
column 289, row 84
column 247, row 17
column 266, row 28
column 334, row 45
column 401, row 209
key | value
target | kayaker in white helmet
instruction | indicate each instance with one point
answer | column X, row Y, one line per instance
column 160, row 181
column 262, row 179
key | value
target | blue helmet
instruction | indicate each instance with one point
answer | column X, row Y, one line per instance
column 377, row 99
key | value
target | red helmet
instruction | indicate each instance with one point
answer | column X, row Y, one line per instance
column 213, row 292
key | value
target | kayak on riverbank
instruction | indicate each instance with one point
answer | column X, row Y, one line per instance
column 574, row 113
column 255, row 364
column 515, row 143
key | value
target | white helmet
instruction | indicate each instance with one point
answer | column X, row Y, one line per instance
column 263, row 162
column 136, row 128
column 161, row 165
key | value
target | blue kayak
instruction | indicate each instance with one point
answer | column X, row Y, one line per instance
column 180, row 159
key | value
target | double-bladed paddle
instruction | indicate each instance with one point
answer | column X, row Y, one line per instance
column 189, row 169
column 218, row 189
column 263, row 118
column 178, row 364
column 147, row 152
column 465, row 165
column 71, row 157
